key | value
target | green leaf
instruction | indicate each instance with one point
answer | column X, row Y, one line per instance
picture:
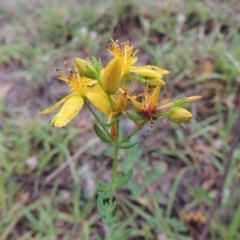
column 124, row 179
column 113, row 206
column 102, row 186
column 129, row 145
column 102, row 135
column 234, row 226
column 98, row 238
column 124, row 235
column 116, row 217
column 102, row 208
column 133, row 117
column 111, row 123
column 105, row 194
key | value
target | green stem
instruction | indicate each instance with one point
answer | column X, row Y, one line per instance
column 113, row 177
column 110, row 102
column 98, row 119
column 131, row 134
column 115, row 161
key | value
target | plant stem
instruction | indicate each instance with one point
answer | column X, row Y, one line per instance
column 113, row 178
column 131, row 134
column 98, row 119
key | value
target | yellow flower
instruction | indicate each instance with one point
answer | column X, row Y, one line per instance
column 82, row 88
column 126, row 53
column 178, row 114
column 148, row 108
column 121, row 103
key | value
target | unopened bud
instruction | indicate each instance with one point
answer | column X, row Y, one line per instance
column 179, row 115
column 85, row 68
column 192, row 99
column 112, row 76
column 154, row 82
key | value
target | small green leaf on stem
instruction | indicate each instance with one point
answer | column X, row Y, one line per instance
column 102, row 208
column 124, row 179
column 124, row 235
column 115, row 218
column 102, row 135
column 133, row 117
column 102, row 186
column 129, row 145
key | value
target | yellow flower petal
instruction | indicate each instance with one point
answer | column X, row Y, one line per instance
column 154, row 82
column 125, row 52
column 154, row 97
column 99, row 99
column 112, row 76
column 149, row 71
column 142, row 70
column 55, row 106
column 159, row 70
column 69, row 110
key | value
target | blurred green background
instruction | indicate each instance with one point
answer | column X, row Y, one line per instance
column 48, row 176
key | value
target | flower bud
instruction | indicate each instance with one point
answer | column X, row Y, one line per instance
column 85, row 68
column 112, row 76
column 192, row 99
column 179, row 115
column 154, row 82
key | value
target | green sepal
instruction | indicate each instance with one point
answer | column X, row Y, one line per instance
column 129, row 145
column 102, row 135
column 179, row 102
column 134, row 117
column 123, row 180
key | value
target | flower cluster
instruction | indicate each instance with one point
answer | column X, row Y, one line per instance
column 108, row 89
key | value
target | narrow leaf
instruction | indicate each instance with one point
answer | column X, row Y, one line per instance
column 124, row 235
column 111, row 123
column 116, row 217
column 102, row 186
column 129, row 145
column 133, row 117
column 124, row 179
column 102, row 135
column 113, row 206
column 101, row 206
column 105, row 194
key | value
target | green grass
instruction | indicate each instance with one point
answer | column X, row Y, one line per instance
column 176, row 169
